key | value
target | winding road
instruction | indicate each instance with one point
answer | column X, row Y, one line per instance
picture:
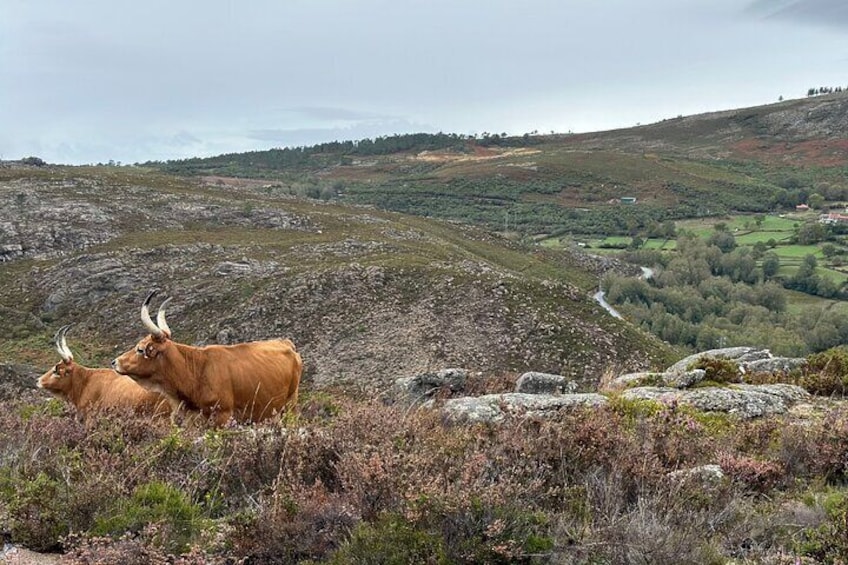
column 599, row 296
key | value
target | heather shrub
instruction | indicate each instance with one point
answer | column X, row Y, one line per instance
column 46, row 487
column 141, row 548
column 718, row 370
column 154, row 503
column 391, row 539
column 816, row 450
column 826, row 373
column 129, row 549
column 348, row 480
column 486, row 533
column 755, row 437
column 667, row 523
column 35, row 508
column 677, row 436
column 295, row 523
column 753, row 474
column 793, row 377
column 828, row 542
column 633, row 409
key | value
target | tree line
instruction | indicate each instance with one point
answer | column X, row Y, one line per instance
column 815, row 91
column 712, row 294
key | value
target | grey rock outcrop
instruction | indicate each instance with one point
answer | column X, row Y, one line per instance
column 682, row 379
column 745, row 401
column 493, row 408
column 685, row 379
column 774, row 365
column 533, row 382
column 748, row 360
column 421, row 387
column 728, row 353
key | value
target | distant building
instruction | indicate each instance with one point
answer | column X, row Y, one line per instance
column 802, row 207
column 833, row 218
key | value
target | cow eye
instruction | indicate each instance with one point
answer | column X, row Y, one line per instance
column 55, row 371
column 139, row 351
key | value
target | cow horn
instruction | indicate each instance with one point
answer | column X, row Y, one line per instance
column 145, row 316
column 62, row 344
column 160, row 318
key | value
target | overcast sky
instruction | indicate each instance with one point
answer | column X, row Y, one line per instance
column 93, row 80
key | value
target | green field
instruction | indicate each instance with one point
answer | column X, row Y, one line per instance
column 744, row 226
column 837, row 277
column 798, row 252
column 752, row 238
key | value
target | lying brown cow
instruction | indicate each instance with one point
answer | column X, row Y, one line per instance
column 91, row 389
column 248, row 381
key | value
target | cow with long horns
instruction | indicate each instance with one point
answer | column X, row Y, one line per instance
column 248, row 382
column 97, row 389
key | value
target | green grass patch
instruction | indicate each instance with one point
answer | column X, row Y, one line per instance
column 800, row 303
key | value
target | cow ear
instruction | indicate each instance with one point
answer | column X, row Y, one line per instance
column 150, row 351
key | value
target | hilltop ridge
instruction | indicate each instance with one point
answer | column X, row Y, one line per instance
column 750, row 160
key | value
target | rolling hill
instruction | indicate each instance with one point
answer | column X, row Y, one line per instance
column 368, row 296
column 744, row 160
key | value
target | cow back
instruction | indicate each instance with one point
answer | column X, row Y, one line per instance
column 258, row 379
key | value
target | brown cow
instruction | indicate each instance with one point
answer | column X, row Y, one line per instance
column 248, row 382
column 92, row 389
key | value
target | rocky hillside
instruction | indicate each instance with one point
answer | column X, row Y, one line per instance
column 805, row 132
column 367, row 296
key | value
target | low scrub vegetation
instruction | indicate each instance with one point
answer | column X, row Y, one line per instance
column 358, row 481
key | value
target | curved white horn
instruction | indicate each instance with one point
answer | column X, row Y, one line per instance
column 160, row 318
column 145, row 315
column 62, row 344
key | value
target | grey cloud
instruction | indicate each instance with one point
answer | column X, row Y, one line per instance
column 819, row 12
column 97, row 80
